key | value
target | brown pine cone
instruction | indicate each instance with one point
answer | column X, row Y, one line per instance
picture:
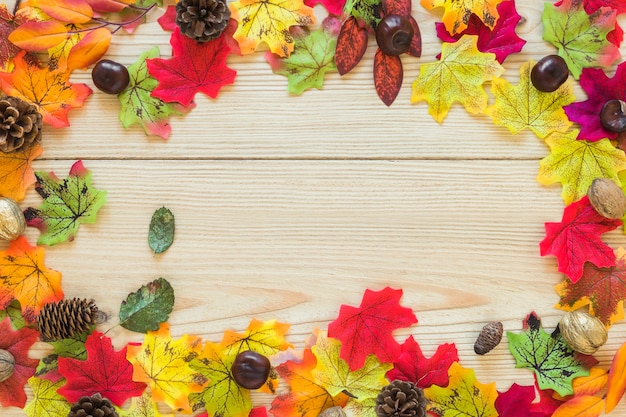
column 94, row 406
column 20, row 124
column 401, row 399
column 66, row 318
column 202, row 20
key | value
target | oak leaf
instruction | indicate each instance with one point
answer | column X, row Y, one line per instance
column 579, row 37
column 264, row 337
column 576, row 163
column 18, row 344
column 603, row 290
column 458, row 76
column 554, row 363
column 464, row 395
column 581, row 406
column 269, row 21
column 194, row 67
column 46, row 401
column 517, row 401
column 164, row 364
column 105, row 371
column 616, row 384
column 523, row 106
column 50, row 90
column 368, row 329
column 16, row 172
column 24, row 277
column 458, row 13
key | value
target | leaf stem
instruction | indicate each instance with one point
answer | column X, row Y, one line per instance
column 16, row 6
column 105, row 23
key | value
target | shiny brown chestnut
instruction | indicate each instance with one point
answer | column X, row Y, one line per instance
column 110, row 77
column 613, row 116
column 549, row 73
column 394, row 34
column 250, row 369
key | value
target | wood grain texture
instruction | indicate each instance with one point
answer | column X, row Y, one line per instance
column 287, row 207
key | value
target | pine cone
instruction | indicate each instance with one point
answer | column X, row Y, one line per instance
column 94, row 406
column 20, row 124
column 202, row 20
column 66, row 318
column 401, row 399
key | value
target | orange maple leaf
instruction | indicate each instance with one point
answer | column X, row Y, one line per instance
column 16, row 172
column 25, row 278
column 50, row 90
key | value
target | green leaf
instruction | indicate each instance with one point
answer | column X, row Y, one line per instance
column 72, row 348
column 67, row 204
column 47, row 364
column 366, row 10
column 149, row 306
column 161, row 232
column 552, row 360
column 14, row 312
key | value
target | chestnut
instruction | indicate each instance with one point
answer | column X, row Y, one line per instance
column 394, row 34
column 549, row 73
column 250, row 369
column 110, row 77
column 613, row 116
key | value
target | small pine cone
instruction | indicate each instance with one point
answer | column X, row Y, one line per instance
column 20, row 124
column 489, row 337
column 66, row 318
column 401, row 399
column 202, row 20
column 94, row 406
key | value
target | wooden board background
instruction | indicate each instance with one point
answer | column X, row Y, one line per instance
column 287, row 207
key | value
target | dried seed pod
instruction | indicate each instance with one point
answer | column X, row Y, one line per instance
column 489, row 337
column 335, row 411
column 583, row 332
column 12, row 223
column 7, row 365
column 607, row 198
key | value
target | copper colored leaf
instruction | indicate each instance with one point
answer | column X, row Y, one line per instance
column 145, row 309
column 351, row 45
column 89, row 49
column 16, row 172
column 617, row 379
column 388, row 76
column 457, row 13
column 46, row 402
column 581, row 406
column 67, row 11
column 18, row 344
column 39, row 36
column 24, row 277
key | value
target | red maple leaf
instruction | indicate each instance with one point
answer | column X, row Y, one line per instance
column 334, row 7
column 17, row 343
column 368, row 329
column 547, row 404
column 517, row 402
column 576, row 239
column 600, row 89
column 105, row 371
column 411, row 364
column 501, row 40
column 194, row 67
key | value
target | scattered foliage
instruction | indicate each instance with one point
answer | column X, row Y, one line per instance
column 16, row 172
column 17, row 343
column 458, row 13
column 145, row 309
column 46, row 401
column 161, row 230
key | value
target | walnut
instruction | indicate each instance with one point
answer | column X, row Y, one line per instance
column 607, row 198
column 583, row 332
column 7, row 365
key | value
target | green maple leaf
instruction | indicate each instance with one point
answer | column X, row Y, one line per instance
column 46, row 401
column 67, row 203
column 366, row 10
column 139, row 107
column 579, row 37
column 552, row 360
column 313, row 56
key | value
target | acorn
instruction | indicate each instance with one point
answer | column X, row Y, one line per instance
column 489, row 337
column 12, row 222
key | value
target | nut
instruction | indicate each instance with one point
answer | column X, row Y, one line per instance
column 489, row 337
column 607, row 198
column 583, row 332
column 12, row 223
column 7, row 365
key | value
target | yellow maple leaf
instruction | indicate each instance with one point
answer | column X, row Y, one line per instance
column 457, row 76
column 458, row 12
column 269, row 21
column 142, row 406
column 25, row 278
column 163, row 363
column 333, row 373
column 576, row 163
column 264, row 337
column 16, row 172
column 46, row 401
column 523, row 106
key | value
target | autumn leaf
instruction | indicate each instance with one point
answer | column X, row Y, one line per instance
column 57, row 55
column 194, row 67
column 16, row 172
column 501, row 40
column 581, row 406
column 50, row 91
column 37, row 36
column 576, row 163
column 164, row 364
column 554, row 363
column 141, row 406
column 89, row 49
column 306, row 398
column 269, row 21
column 334, row 374
column 264, row 337
column 458, row 76
column 161, row 230
column 46, row 401
column 24, row 277
column 411, row 364
column 579, row 37
column 334, row 7
column 145, row 309
column 138, row 104
column 67, row 11
column 464, row 395
column 112, row 6
column 14, row 312
column 457, row 13
column 351, row 44
column 366, row 12
column 592, row 383
column 517, row 401
column 222, row 396
column 523, row 106
column 616, row 384
column 368, row 329
column 18, row 344
column 313, row 56
column 8, row 23
column 388, row 76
